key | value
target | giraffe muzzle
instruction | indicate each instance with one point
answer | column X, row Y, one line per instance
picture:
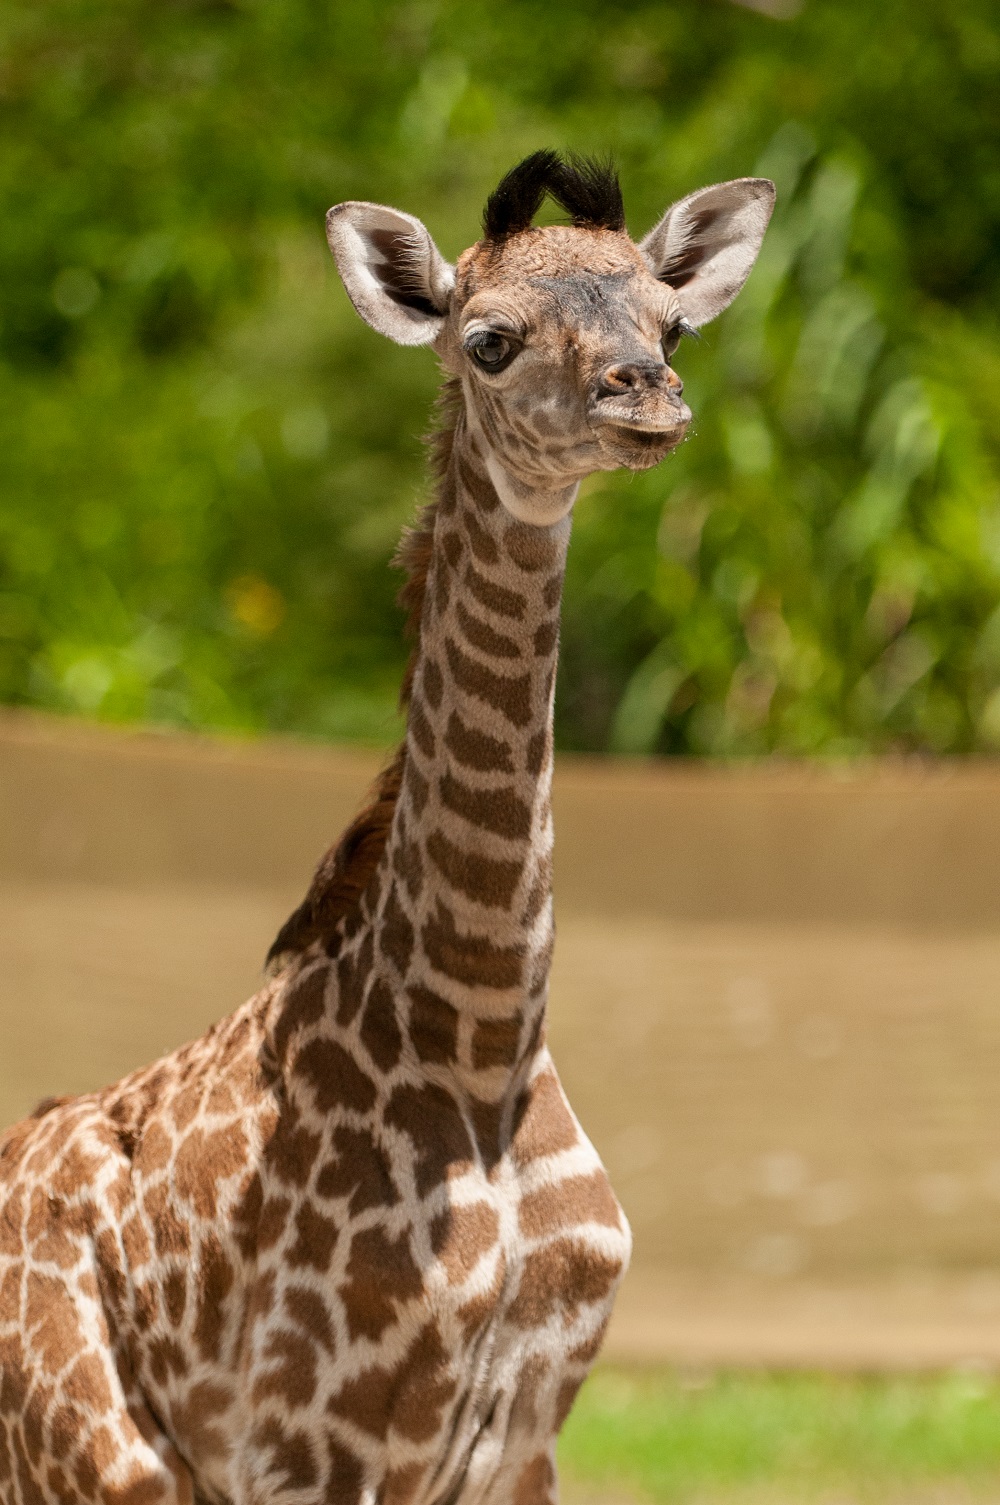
column 642, row 398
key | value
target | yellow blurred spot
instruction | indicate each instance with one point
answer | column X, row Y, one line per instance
column 256, row 604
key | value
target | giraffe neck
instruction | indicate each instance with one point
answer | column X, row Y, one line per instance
column 465, row 909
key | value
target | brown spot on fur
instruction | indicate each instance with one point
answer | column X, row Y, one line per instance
column 417, row 787
column 477, row 484
column 205, row 1158
column 511, row 696
column 483, row 546
column 32, row 1424
column 506, row 603
column 475, row 749
column 396, row 933
column 553, row 590
column 430, row 1117
column 309, row 1310
column 485, row 879
column 535, row 1483
column 292, row 1149
column 451, row 547
column 344, row 1477
column 292, row 1373
column 184, row 1107
column 336, row 1079
column 87, row 1385
column 315, row 1239
column 495, row 1042
column 214, row 1282
column 471, row 959
column 433, row 682
column 442, row 590
column 587, row 1351
column 13, row 1378
column 175, row 1296
column 273, row 1218
column 380, row 1032
column 65, row 1427
column 567, row 1204
column 53, row 1322
column 289, row 1460
column 303, row 1004
column 460, row 1236
column 154, row 1150
column 425, row 1387
column 545, row 1124
column 360, row 1172
column 380, row 1272
column 420, row 728
column 401, row 1484
column 195, row 1420
column 530, row 548
column 546, row 638
column 433, row 1026
column 10, row 1223
column 246, row 1215
column 480, row 635
column 561, row 1276
column 366, row 1400
column 57, row 1240
column 564, row 1401
column 500, row 811
column 408, row 864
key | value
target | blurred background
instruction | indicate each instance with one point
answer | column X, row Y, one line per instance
column 776, row 1003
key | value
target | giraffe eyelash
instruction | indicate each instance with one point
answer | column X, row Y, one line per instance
column 481, row 337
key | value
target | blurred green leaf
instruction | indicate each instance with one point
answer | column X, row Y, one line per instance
column 205, row 458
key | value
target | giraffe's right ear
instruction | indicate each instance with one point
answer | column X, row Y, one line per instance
column 394, row 274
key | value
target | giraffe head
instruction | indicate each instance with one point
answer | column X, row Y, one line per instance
column 562, row 336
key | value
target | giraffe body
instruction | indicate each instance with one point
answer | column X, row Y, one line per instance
column 353, row 1245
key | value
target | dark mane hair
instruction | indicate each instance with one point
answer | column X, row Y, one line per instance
column 344, row 871
column 586, row 188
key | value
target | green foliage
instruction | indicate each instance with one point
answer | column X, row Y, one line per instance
column 206, row 458
column 794, row 1437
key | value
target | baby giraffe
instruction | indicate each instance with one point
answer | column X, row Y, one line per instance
column 353, row 1245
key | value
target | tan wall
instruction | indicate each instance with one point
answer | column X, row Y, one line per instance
column 776, row 1003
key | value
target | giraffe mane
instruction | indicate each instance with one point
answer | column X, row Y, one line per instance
column 344, row 871
column 587, row 188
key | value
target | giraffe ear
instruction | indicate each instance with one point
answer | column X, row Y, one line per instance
column 705, row 245
column 394, row 274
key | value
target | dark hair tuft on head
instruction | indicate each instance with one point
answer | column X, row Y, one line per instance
column 587, row 189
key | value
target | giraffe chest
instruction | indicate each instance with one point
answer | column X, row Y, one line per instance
column 410, row 1314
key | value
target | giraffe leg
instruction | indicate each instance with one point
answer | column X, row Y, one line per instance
column 69, row 1433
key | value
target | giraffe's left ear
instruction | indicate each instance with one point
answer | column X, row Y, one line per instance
column 394, row 274
column 705, row 245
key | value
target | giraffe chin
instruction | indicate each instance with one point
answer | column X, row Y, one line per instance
column 638, row 448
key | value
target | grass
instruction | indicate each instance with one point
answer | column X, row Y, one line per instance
column 759, row 1437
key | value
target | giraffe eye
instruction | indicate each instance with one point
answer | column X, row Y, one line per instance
column 491, row 352
column 672, row 337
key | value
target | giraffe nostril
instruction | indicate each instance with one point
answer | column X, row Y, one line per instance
column 632, row 376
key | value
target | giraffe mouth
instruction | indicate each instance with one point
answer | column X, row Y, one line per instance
column 666, row 422
column 644, row 435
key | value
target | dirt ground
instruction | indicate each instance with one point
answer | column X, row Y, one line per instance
column 775, row 1006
